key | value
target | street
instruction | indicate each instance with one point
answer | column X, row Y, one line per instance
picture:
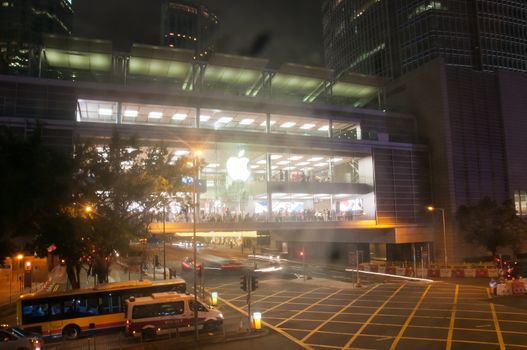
column 331, row 313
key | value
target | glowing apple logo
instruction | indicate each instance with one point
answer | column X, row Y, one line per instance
column 237, row 167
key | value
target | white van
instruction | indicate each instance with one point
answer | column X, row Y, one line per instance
column 164, row 312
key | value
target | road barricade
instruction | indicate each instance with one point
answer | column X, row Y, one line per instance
column 458, row 271
column 392, row 270
column 519, row 287
column 433, row 272
column 504, row 289
column 470, row 272
column 445, row 272
column 493, row 272
column 482, row 272
column 400, row 271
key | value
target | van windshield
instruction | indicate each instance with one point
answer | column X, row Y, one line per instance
column 201, row 307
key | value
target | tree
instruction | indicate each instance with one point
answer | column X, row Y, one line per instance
column 36, row 182
column 126, row 186
column 489, row 224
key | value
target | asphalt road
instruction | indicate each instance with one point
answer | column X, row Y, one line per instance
column 399, row 315
column 330, row 313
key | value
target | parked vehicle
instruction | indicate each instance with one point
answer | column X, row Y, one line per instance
column 162, row 313
column 12, row 338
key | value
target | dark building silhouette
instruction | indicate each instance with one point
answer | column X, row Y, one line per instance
column 22, row 25
column 390, row 38
column 188, row 26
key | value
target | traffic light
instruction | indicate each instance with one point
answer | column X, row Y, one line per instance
column 254, row 283
column 243, row 283
column 301, row 253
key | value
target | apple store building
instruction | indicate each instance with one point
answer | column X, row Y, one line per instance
column 291, row 158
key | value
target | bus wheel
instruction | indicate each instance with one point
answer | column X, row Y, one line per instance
column 71, row 332
column 148, row 334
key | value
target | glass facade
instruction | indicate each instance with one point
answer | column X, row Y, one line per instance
column 389, row 38
column 520, row 201
column 245, row 182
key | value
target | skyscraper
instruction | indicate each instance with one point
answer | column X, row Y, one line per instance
column 22, row 25
column 188, row 26
column 390, row 38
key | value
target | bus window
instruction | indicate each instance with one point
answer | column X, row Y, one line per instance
column 116, row 304
column 104, row 304
column 87, row 305
column 69, row 307
column 56, row 309
column 35, row 312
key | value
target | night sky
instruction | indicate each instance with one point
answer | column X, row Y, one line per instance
column 280, row 30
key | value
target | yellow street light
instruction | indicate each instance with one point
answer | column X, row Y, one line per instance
column 214, row 298
column 432, row 209
column 20, row 257
column 88, row 208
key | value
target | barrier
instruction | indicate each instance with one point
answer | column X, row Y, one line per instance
column 445, row 272
column 390, row 270
column 400, row 271
column 519, row 287
column 504, row 289
column 460, row 271
column 482, row 272
column 470, row 272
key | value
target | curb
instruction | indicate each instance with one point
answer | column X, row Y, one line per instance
column 189, row 342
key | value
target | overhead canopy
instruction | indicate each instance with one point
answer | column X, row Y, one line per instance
column 356, row 89
column 160, row 62
column 77, row 53
column 299, row 80
column 233, row 72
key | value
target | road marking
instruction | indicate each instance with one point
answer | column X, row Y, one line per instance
column 409, row 319
column 483, row 326
column 289, row 301
column 496, row 323
column 238, row 297
column 339, row 312
column 364, row 325
column 452, row 320
column 388, row 337
column 307, row 308
column 223, row 285
column 267, row 297
column 276, row 329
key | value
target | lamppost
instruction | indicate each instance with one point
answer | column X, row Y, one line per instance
column 195, row 164
column 164, row 243
column 431, row 209
column 19, row 258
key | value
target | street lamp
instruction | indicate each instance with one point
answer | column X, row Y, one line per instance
column 195, row 163
column 164, row 243
column 19, row 258
column 431, row 209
